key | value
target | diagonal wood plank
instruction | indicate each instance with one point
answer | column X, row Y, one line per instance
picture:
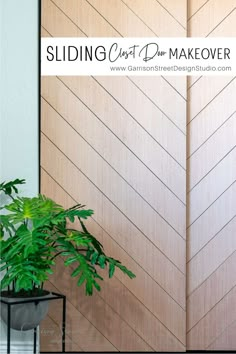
column 102, row 148
column 100, row 181
column 212, row 255
column 96, row 27
column 87, row 306
column 211, row 118
column 177, row 82
column 147, row 298
column 53, row 18
column 78, row 334
column 226, row 340
column 89, row 127
column 195, row 6
column 225, row 29
column 173, row 8
column 166, row 26
column 148, row 115
column 115, row 223
column 145, row 228
column 210, row 87
column 214, row 323
column 153, row 87
column 122, row 18
column 203, row 299
column 213, row 185
column 209, row 17
column 206, row 227
column 125, row 131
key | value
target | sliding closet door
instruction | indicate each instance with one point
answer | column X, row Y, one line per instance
column 118, row 145
column 211, row 256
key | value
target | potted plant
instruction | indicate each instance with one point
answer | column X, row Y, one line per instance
column 33, row 233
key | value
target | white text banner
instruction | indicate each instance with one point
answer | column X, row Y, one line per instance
column 138, row 56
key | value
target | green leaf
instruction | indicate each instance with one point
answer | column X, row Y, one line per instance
column 81, row 279
column 111, row 270
column 102, row 261
column 7, row 187
column 1, row 232
column 39, row 233
column 94, row 258
column 70, row 260
column 97, row 286
column 89, row 288
column 76, row 272
column 71, row 218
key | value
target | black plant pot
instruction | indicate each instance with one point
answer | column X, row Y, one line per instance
column 25, row 315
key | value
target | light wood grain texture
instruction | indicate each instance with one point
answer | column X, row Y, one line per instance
column 215, row 180
column 162, row 269
column 211, row 189
column 212, row 117
column 209, row 87
column 99, row 313
column 173, row 8
column 209, row 17
column 113, row 145
column 122, row 18
column 166, row 26
column 195, row 6
column 55, row 21
column 223, row 29
column 179, row 83
column 87, row 18
column 203, row 299
column 152, row 296
column 226, row 29
column 153, row 87
column 171, row 307
column 226, row 340
column 209, row 224
column 78, row 328
column 212, row 255
column 147, row 114
column 214, row 323
column 90, row 127
column 126, row 129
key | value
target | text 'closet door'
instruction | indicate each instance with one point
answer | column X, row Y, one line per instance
column 211, row 267
column 118, row 145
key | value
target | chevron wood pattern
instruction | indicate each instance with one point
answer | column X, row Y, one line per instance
column 118, row 144
column 100, row 132
column 211, row 164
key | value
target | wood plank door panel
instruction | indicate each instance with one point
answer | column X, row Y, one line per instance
column 211, row 165
column 118, row 145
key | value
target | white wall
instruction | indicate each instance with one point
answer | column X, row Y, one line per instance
column 19, row 112
column 19, row 91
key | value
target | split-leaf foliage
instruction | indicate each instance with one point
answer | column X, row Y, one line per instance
column 34, row 232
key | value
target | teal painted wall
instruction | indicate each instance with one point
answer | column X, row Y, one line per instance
column 19, row 91
column 19, row 113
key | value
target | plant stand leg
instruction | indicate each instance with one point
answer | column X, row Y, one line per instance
column 64, row 325
column 35, row 339
column 8, row 328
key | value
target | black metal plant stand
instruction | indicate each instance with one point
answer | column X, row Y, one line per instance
column 52, row 296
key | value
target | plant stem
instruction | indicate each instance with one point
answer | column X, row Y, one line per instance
column 57, row 254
